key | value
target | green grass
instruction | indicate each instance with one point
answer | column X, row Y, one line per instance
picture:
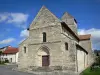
column 2, row 63
column 89, row 72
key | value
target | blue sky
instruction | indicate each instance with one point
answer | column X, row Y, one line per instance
column 16, row 16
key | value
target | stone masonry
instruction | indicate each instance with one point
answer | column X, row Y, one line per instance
column 61, row 53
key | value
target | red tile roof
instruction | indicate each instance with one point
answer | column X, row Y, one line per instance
column 10, row 50
column 84, row 37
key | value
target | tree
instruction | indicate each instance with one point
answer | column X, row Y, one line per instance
column 0, row 55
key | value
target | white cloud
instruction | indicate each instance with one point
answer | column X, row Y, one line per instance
column 95, row 33
column 3, row 17
column 17, row 19
column 24, row 33
column 7, row 41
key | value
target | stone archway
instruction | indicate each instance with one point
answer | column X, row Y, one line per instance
column 43, row 56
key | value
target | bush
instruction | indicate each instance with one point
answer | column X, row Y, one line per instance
column 6, row 61
column 2, row 62
column 98, row 60
column 96, row 64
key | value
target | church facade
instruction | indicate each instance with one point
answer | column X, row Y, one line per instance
column 54, row 45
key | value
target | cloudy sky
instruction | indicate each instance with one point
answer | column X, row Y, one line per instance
column 16, row 16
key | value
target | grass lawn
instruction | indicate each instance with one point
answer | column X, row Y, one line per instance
column 89, row 72
column 2, row 63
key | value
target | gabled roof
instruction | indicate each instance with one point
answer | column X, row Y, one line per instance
column 11, row 50
column 67, row 16
column 84, row 37
column 44, row 16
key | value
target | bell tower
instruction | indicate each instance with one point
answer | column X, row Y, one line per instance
column 70, row 21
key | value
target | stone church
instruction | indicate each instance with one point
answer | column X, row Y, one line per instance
column 54, row 45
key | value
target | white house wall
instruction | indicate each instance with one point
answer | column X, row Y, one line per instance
column 9, row 56
column 17, row 57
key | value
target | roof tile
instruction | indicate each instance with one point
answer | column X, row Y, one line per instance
column 84, row 37
column 11, row 50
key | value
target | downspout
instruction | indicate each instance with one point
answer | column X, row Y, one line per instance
column 76, row 60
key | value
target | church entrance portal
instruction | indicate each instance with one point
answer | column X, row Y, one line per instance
column 43, row 57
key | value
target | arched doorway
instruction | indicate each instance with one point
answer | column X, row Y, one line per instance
column 43, row 56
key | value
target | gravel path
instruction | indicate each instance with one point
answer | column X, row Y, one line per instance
column 7, row 70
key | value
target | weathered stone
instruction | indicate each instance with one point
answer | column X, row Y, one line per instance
column 61, row 61
column 70, row 21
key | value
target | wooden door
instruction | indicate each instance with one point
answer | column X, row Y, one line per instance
column 45, row 60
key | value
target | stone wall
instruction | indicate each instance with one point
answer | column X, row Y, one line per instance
column 81, row 60
column 22, row 57
column 33, row 43
column 69, row 56
column 60, row 58
column 70, row 21
column 44, row 18
column 52, row 34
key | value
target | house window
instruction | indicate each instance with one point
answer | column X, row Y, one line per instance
column 24, row 49
column 44, row 36
column 66, row 46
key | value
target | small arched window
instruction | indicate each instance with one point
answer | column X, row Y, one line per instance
column 24, row 49
column 44, row 36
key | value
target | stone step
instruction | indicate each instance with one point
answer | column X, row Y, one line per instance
column 43, row 69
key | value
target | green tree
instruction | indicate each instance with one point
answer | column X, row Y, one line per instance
column 98, row 60
column 0, row 55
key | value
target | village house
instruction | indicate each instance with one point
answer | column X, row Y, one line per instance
column 10, row 53
column 54, row 45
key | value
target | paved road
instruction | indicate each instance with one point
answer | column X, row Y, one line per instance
column 7, row 70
